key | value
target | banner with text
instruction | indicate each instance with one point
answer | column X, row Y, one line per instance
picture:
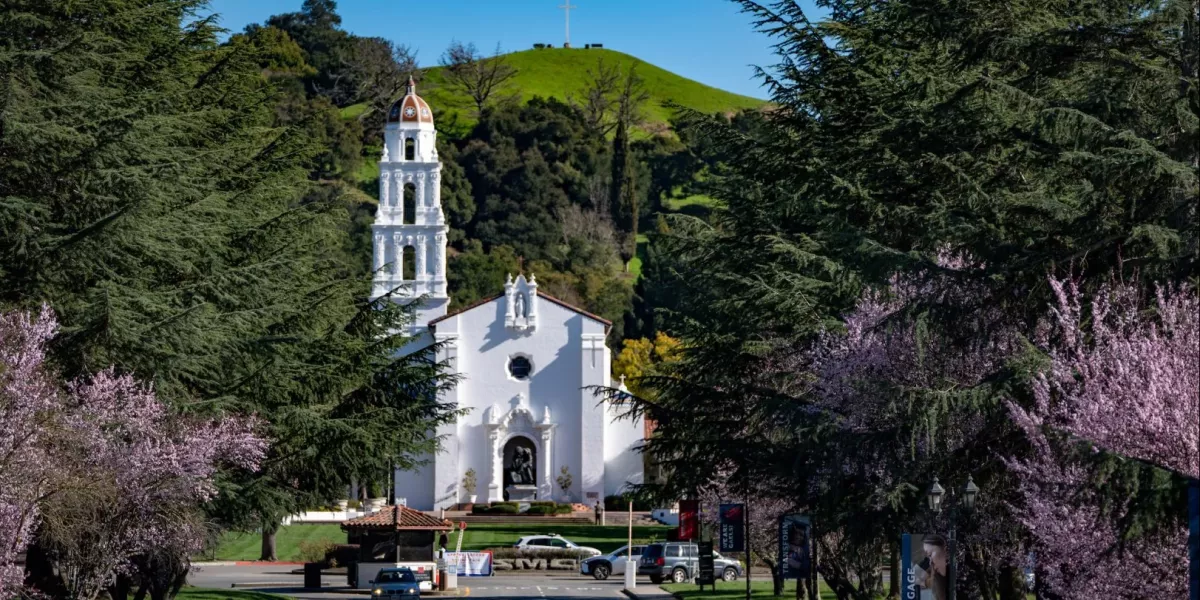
column 795, row 546
column 927, row 567
column 689, row 520
column 470, row 564
column 732, row 528
column 1194, row 538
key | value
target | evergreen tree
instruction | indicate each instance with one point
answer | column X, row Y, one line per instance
column 150, row 196
column 1021, row 137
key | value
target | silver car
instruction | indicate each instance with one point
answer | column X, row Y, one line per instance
column 612, row 563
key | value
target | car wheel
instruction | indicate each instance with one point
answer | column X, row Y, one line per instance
column 729, row 574
column 656, row 579
column 679, row 576
column 600, row 572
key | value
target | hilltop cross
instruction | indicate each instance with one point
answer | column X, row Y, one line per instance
column 567, row 6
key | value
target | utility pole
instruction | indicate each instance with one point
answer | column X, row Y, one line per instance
column 567, row 6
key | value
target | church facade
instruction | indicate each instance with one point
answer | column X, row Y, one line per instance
column 528, row 362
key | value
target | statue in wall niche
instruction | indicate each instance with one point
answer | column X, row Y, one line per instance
column 519, row 305
column 521, row 472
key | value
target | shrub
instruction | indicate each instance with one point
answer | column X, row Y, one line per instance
column 563, row 509
column 538, row 46
column 543, row 503
column 314, row 551
column 564, row 480
column 504, row 509
column 469, row 482
column 341, row 555
column 621, row 502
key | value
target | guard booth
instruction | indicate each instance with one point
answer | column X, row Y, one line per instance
column 396, row 536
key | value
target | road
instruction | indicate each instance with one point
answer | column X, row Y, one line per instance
column 280, row 580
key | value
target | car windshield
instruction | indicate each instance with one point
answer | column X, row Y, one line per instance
column 396, row 577
column 652, row 551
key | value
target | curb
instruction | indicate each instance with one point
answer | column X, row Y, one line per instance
column 263, row 584
column 657, row 594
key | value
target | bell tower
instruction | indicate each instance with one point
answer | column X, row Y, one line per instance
column 410, row 228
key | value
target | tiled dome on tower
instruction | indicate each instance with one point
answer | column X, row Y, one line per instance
column 411, row 110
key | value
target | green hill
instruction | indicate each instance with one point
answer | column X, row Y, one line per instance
column 561, row 73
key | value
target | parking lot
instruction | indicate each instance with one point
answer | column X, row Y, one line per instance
column 279, row 579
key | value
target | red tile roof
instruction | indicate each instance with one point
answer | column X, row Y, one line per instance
column 398, row 518
column 541, row 294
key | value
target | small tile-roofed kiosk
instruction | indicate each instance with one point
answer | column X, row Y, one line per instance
column 396, row 536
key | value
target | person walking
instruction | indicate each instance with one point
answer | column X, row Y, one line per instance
column 599, row 513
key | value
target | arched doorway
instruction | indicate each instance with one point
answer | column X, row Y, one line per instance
column 520, row 463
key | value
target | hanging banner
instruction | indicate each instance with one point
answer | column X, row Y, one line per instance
column 470, row 564
column 795, row 546
column 732, row 530
column 927, row 567
column 1194, row 538
column 689, row 520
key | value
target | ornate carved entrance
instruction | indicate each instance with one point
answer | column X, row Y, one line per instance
column 520, row 447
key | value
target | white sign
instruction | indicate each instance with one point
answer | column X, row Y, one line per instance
column 470, row 564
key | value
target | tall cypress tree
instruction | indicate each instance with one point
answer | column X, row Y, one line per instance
column 148, row 195
column 1031, row 136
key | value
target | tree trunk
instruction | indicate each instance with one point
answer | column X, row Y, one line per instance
column 1012, row 583
column 181, row 578
column 776, row 577
column 119, row 590
column 894, row 572
column 633, row 211
column 268, row 542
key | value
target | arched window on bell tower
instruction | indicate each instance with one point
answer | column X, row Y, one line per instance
column 410, row 204
column 409, row 263
column 410, row 149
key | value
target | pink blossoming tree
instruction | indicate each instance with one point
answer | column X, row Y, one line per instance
column 106, row 475
column 1128, row 381
column 28, row 399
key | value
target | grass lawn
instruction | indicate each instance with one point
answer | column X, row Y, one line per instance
column 635, row 263
column 737, row 589
column 236, row 545
column 354, row 110
column 194, row 593
column 562, row 73
column 247, row 546
column 678, row 204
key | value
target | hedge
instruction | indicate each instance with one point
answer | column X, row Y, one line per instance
column 621, row 502
column 512, row 508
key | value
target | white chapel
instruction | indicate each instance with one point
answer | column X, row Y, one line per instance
column 526, row 359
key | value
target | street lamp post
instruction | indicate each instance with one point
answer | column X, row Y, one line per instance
column 936, row 497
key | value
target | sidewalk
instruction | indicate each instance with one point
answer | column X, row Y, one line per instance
column 648, row 592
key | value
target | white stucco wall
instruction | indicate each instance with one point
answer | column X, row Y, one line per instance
column 622, row 460
column 568, row 354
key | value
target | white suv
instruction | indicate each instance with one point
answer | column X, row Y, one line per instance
column 548, row 542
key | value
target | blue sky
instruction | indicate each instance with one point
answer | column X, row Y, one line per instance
column 705, row 40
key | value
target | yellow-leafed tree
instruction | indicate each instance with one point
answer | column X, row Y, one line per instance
column 642, row 357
